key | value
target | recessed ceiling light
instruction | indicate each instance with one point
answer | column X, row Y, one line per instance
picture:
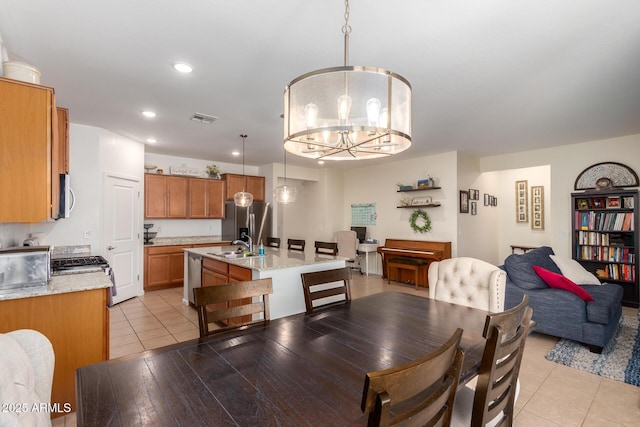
column 152, row 140
column 321, row 162
column 149, row 114
column 182, row 67
column 235, row 153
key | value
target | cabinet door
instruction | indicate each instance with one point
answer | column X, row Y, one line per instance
column 215, row 199
column 158, row 271
column 63, row 140
column 176, row 269
column 155, row 196
column 255, row 186
column 212, row 278
column 198, row 196
column 26, row 113
column 177, row 192
column 234, row 184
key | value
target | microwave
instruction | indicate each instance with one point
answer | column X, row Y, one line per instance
column 67, row 197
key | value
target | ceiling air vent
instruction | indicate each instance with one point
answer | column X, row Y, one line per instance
column 203, row 118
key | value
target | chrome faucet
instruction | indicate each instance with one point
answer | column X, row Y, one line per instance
column 242, row 242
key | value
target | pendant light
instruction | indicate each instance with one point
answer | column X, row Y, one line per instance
column 242, row 198
column 285, row 194
column 348, row 112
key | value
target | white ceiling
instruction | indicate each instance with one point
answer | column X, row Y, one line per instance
column 488, row 76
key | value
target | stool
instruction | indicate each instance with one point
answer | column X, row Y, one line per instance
column 411, row 264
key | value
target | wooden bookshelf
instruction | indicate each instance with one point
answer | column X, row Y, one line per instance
column 605, row 237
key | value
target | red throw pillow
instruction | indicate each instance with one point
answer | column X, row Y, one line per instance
column 558, row 281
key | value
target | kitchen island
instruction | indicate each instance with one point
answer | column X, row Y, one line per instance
column 283, row 266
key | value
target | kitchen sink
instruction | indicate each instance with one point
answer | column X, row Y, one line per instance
column 234, row 255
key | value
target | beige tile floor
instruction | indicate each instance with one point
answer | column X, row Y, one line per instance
column 551, row 394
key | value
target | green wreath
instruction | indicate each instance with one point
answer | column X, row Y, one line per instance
column 425, row 219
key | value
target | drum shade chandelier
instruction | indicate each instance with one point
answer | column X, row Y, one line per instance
column 242, row 198
column 347, row 113
column 285, row 194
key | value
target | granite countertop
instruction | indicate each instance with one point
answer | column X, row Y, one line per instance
column 274, row 258
column 185, row 240
column 61, row 284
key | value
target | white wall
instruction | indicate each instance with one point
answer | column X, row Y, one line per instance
column 377, row 184
column 565, row 163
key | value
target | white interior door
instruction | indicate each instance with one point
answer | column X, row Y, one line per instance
column 122, row 233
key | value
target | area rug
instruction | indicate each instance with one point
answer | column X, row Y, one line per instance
column 619, row 360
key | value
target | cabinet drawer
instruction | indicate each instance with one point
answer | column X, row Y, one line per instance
column 239, row 273
column 215, row 265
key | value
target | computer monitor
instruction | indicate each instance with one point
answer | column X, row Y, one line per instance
column 361, row 232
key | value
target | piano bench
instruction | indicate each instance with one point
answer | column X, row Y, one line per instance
column 412, row 264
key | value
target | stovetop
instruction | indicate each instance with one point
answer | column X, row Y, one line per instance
column 78, row 264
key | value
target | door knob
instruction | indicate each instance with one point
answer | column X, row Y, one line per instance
column 110, row 248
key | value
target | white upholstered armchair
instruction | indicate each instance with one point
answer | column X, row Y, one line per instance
column 468, row 281
column 26, row 377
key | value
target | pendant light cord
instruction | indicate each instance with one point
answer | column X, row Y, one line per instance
column 244, row 177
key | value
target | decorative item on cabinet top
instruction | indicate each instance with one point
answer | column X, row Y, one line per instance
column 185, row 170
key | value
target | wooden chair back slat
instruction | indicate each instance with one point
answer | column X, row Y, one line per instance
column 313, row 291
column 296, row 244
column 231, row 296
column 420, row 392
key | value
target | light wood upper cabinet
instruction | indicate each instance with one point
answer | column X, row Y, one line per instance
column 182, row 197
column 206, row 198
column 155, row 189
column 177, row 193
column 63, row 140
column 253, row 184
column 29, row 156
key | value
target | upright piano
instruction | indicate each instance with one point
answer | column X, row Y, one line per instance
column 419, row 249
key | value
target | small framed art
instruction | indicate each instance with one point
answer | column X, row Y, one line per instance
column 464, row 201
column 522, row 202
column 537, row 207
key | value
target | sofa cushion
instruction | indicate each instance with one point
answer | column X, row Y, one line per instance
column 558, row 281
column 520, row 271
column 608, row 299
column 574, row 271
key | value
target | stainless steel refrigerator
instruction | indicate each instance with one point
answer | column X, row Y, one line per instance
column 256, row 218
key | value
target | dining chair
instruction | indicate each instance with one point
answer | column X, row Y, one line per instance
column 391, row 396
column 227, row 304
column 329, row 248
column 319, row 285
column 273, row 242
column 348, row 247
column 296, row 244
column 468, row 281
column 493, row 400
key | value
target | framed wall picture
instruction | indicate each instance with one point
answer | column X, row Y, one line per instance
column 474, row 194
column 474, row 208
column 537, row 207
column 522, row 202
column 464, row 201
column 487, row 199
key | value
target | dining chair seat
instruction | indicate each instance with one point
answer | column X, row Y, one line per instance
column 493, row 401
column 420, row 392
column 325, row 288
column 232, row 305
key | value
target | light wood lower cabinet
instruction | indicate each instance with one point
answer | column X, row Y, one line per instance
column 216, row 272
column 76, row 323
column 164, row 265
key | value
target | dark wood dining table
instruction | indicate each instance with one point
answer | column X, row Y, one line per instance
column 298, row 370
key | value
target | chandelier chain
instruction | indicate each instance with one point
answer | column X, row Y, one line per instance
column 346, row 28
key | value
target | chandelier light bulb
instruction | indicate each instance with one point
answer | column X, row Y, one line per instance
column 373, row 111
column 311, row 115
column 344, row 108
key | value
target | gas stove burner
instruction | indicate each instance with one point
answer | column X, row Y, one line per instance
column 79, row 264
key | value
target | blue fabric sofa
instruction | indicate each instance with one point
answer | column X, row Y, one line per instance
column 558, row 312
